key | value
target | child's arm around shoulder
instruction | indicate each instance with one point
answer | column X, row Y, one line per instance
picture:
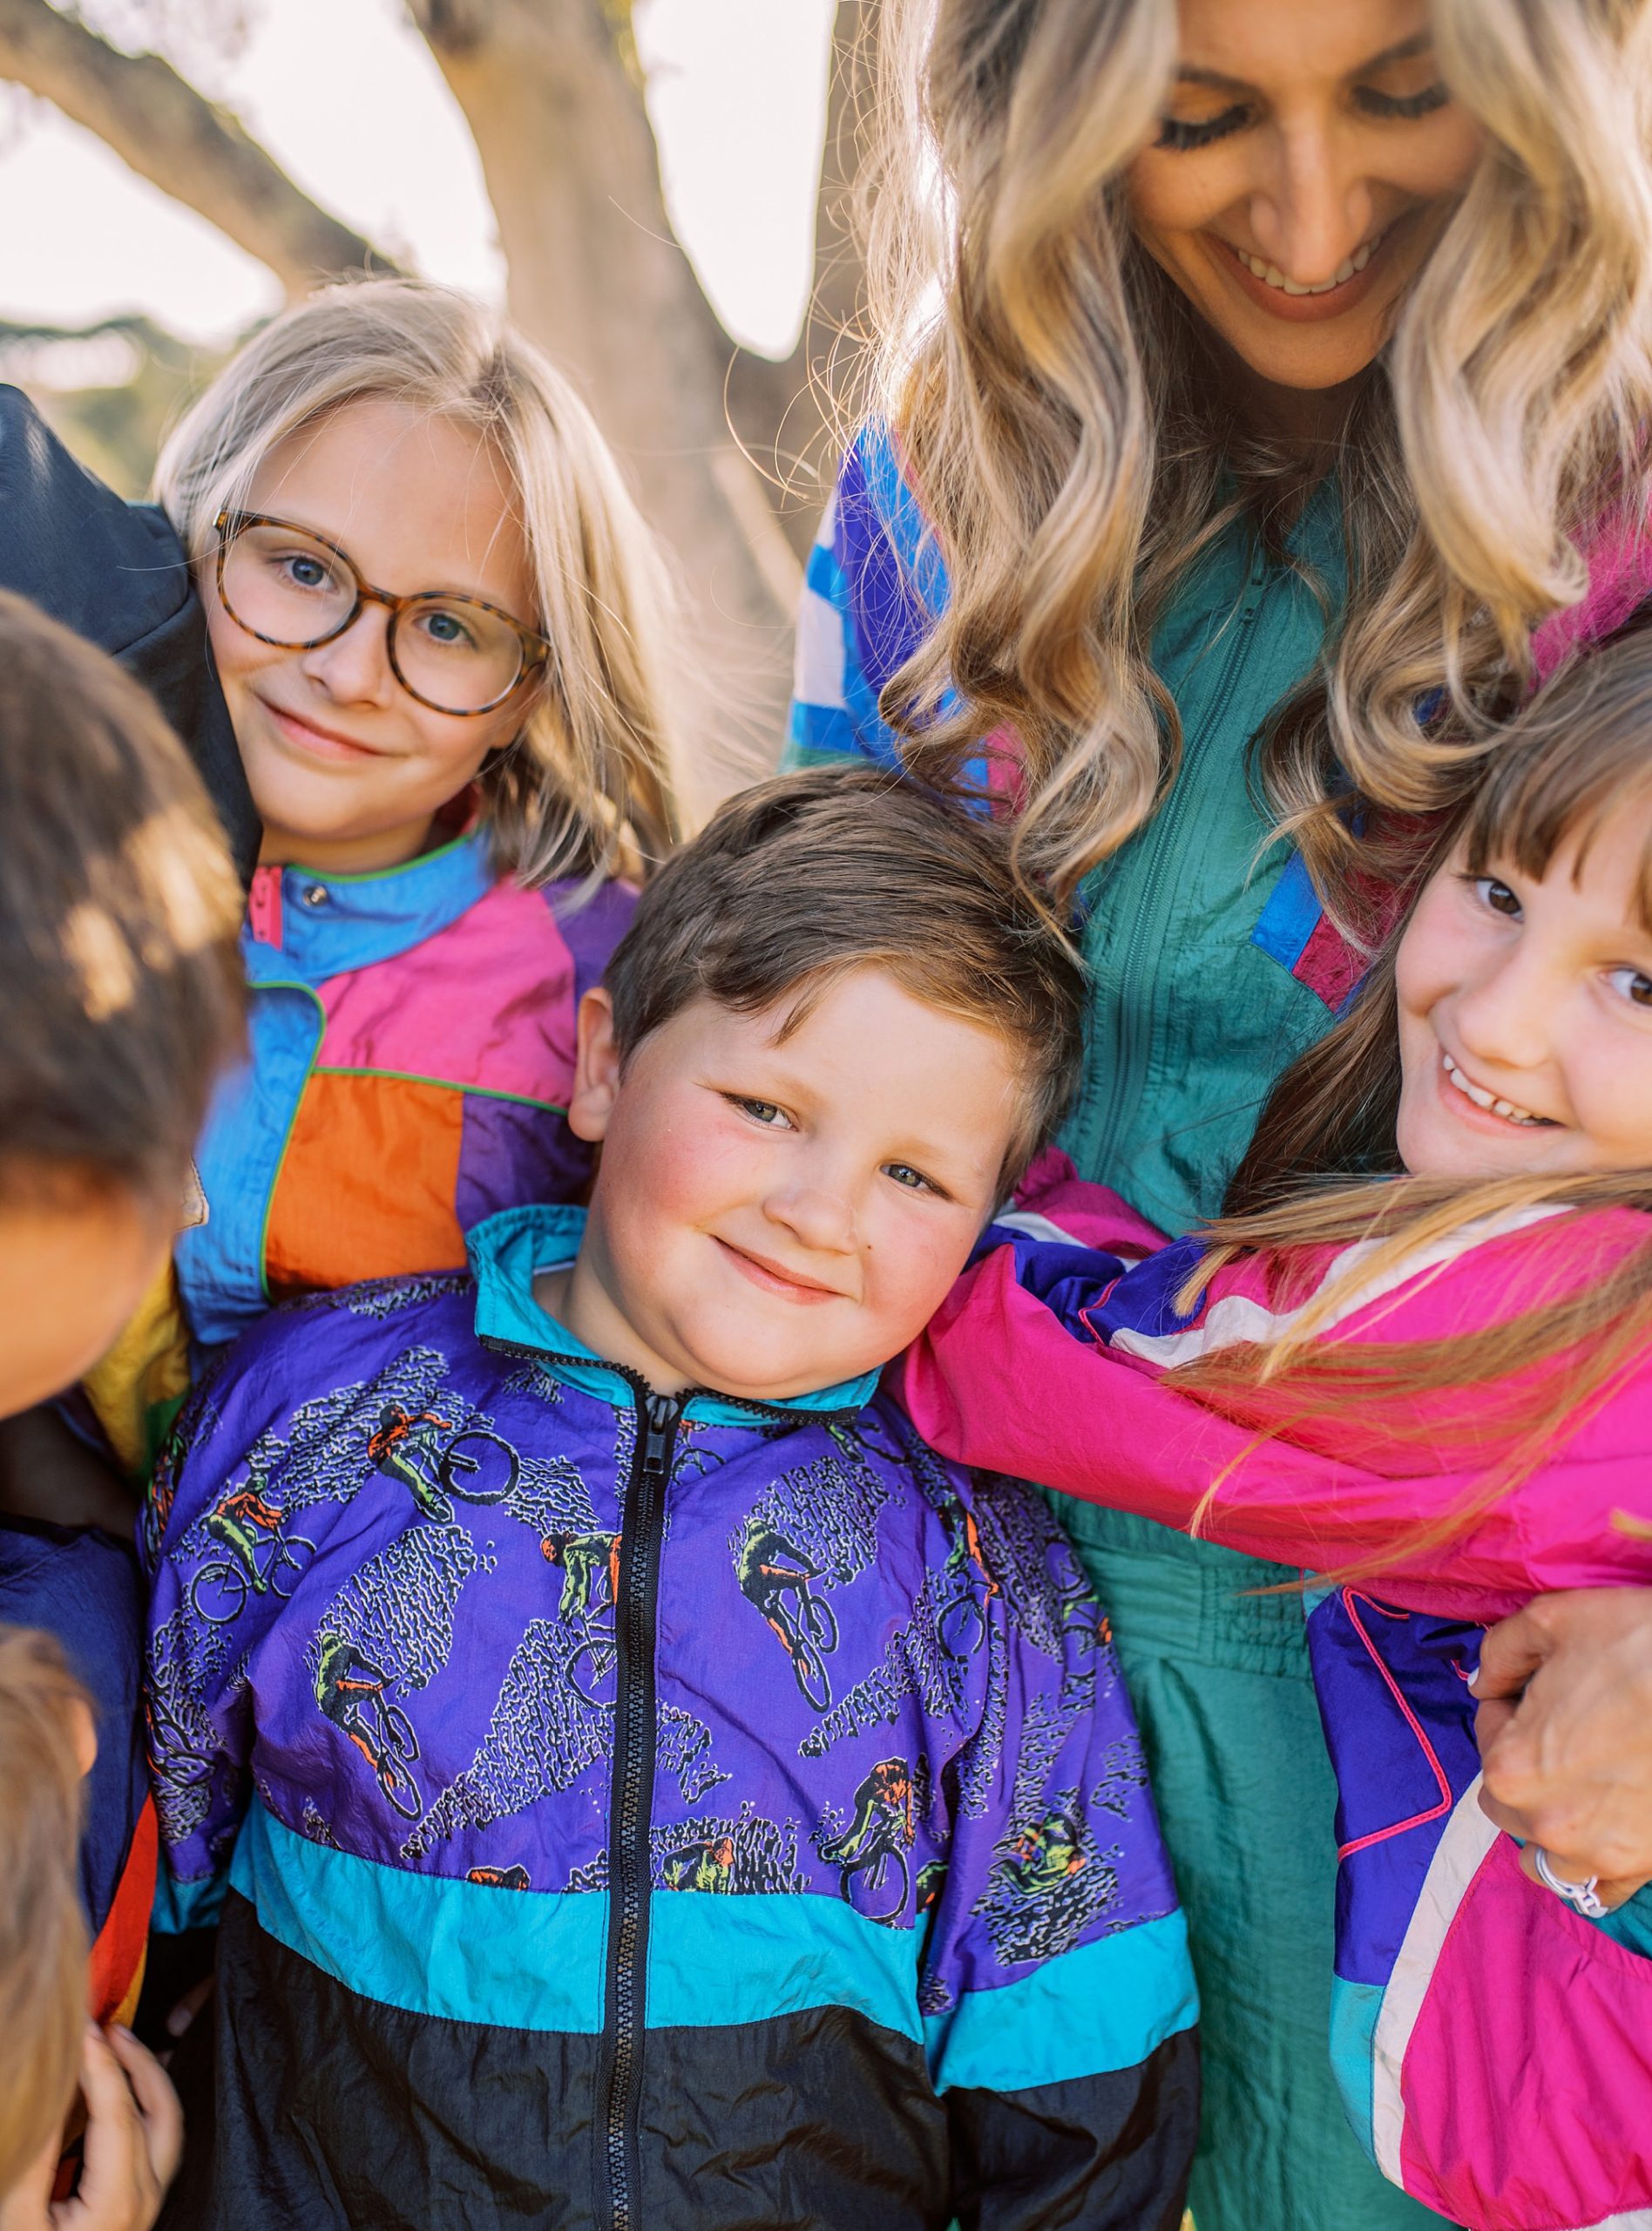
column 1049, row 1360
column 1058, row 1997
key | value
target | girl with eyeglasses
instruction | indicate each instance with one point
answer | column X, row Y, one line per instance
column 446, row 641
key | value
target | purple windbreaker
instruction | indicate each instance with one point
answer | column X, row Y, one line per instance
column 643, row 1811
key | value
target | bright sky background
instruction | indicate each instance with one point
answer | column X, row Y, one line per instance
column 346, row 97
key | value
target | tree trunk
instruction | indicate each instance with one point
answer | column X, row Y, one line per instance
column 790, row 416
column 159, row 124
column 598, row 280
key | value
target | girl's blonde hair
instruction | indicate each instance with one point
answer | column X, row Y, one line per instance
column 593, row 767
column 43, row 1934
column 1058, row 408
column 1324, row 1170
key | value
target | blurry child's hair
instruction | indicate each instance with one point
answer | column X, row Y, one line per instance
column 800, row 880
column 120, row 987
column 43, row 1932
column 595, row 756
column 1324, row 1170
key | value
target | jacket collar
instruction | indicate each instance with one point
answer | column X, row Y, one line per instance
column 506, row 1250
column 304, row 923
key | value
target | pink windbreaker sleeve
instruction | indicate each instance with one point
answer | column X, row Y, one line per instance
column 1072, row 1393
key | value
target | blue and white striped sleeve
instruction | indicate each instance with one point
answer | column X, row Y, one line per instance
column 872, row 589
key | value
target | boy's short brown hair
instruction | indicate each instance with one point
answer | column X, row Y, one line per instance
column 798, row 881
column 120, row 985
column 42, row 1933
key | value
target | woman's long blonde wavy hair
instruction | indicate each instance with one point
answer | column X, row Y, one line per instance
column 1051, row 393
column 591, row 774
column 1323, row 1170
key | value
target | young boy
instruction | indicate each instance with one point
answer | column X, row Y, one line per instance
column 119, row 997
column 647, row 1806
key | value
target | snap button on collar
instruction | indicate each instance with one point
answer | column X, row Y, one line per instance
column 315, row 894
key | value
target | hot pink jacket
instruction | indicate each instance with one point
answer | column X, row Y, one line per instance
column 1493, row 2048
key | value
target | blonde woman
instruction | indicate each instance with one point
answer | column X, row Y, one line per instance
column 1259, row 378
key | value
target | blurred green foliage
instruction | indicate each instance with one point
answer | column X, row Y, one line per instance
column 110, row 391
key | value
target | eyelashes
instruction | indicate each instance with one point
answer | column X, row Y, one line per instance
column 1407, row 107
column 1183, row 137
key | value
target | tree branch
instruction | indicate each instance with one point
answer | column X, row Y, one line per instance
column 169, row 134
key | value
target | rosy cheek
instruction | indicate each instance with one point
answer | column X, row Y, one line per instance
column 687, row 1156
column 918, row 1269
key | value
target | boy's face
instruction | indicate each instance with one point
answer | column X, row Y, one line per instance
column 75, row 1261
column 770, row 1217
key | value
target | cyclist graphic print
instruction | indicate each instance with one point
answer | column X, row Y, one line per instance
column 411, row 1587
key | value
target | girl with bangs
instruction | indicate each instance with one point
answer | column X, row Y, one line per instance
column 1416, row 1350
column 1261, row 403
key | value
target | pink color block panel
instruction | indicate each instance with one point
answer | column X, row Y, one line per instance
column 1529, row 2071
column 487, row 1002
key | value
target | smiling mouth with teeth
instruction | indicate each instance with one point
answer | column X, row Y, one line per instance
column 1481, row 1098
column 1271, row 276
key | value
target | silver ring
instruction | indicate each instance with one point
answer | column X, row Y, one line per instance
column 1583, row 1897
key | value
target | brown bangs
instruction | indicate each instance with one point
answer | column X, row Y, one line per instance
column 1571, row 766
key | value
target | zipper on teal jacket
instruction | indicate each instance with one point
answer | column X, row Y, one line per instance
column 1151, row 927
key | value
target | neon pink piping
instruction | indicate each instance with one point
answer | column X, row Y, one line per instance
column 1382, row 1836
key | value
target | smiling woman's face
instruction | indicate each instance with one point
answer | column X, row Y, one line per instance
column 1308, row 160
column 347, row 769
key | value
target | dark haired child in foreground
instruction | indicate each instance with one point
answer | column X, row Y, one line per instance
column 645, row 1805
column 119, row 999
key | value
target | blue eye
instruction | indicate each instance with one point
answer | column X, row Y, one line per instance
column 306, row 571
column 447, row 631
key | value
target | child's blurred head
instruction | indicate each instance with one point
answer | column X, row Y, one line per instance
column 46, row 1742
column 833, row 1034
column 392, row 435
column 120, row 995
column 1523, row 980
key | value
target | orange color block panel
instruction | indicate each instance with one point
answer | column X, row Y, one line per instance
column 367, row 1188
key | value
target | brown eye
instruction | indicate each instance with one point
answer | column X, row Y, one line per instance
column 1497, row 896
column 1633, row 986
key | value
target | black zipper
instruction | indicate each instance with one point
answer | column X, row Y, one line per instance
column 631, row 1799
column 630, row 1805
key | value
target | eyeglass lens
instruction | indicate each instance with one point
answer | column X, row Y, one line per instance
column 293, row 590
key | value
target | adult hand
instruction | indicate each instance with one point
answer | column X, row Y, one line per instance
column 1565, row 1733
column 134, row 2138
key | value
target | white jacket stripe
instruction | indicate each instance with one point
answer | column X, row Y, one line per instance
column 1469, row 1836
